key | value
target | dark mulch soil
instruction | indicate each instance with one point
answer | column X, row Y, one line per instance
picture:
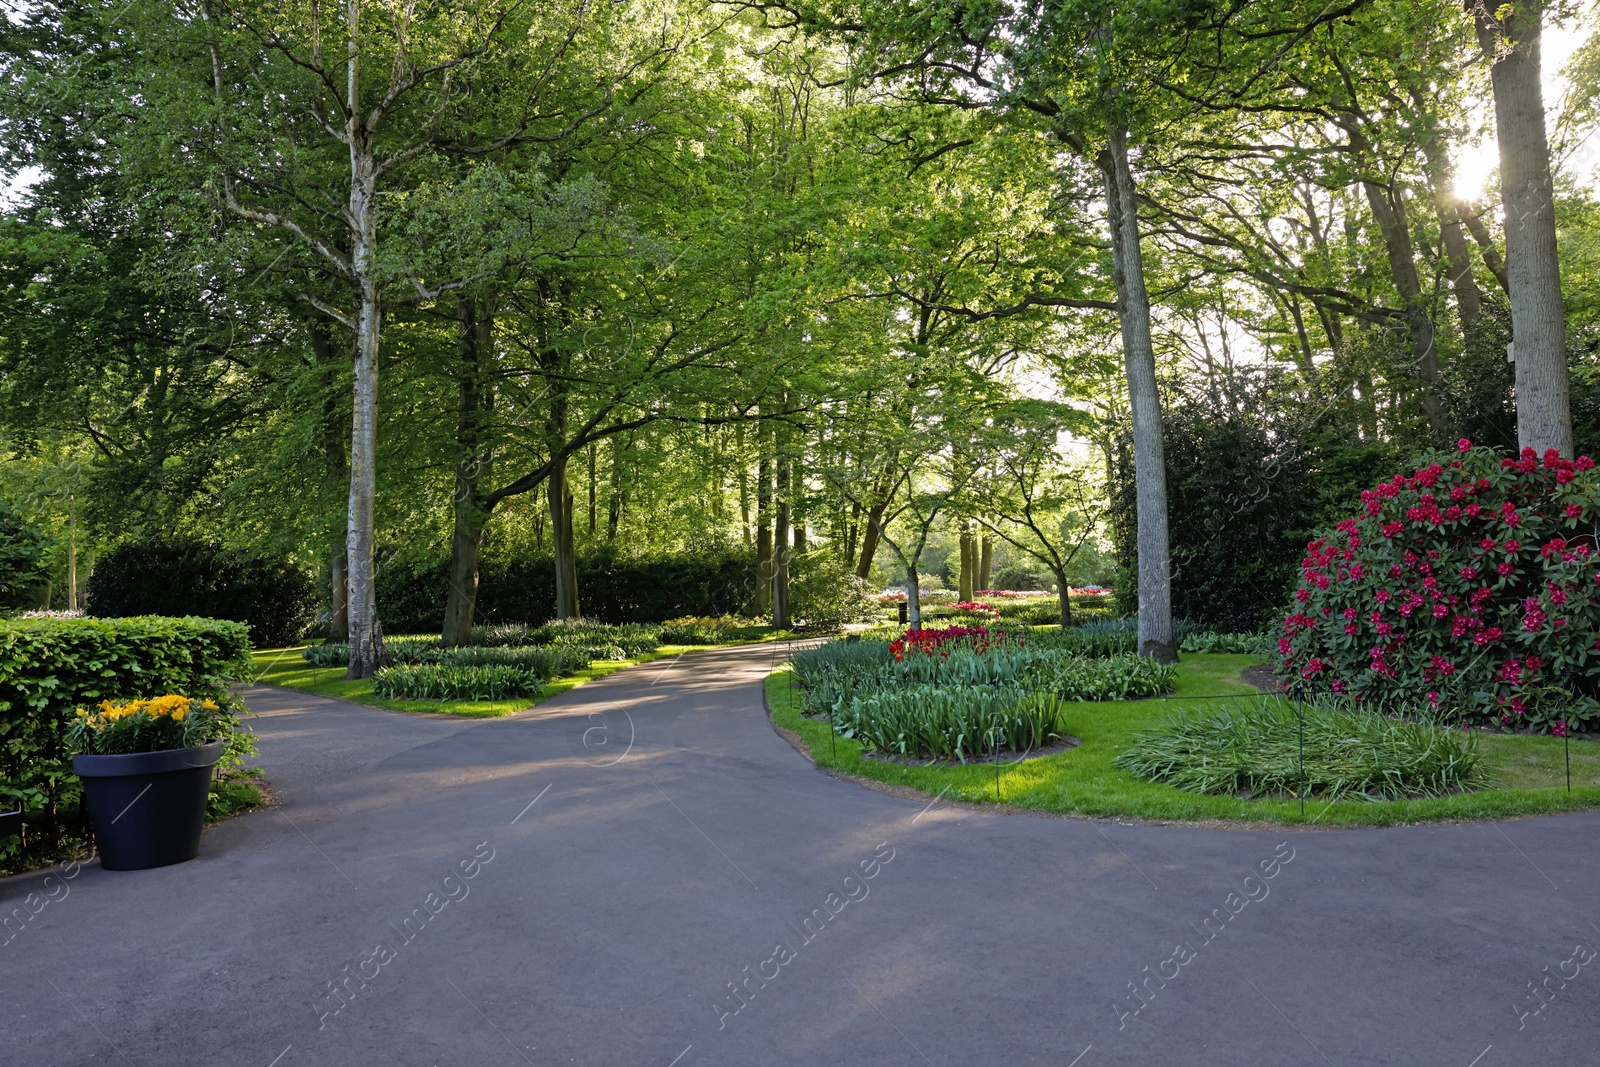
column 1262, row 677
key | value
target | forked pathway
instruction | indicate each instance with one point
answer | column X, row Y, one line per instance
column 642, row 872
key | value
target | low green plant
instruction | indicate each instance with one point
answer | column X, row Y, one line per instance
column 502, row 633
column 609, row 640
column 704, row 629
column 1123, row 677
column 444, row 681
column 550, row 661
column 1255, row 748
column 327, row 654
column 946, row 722
column 1207, row 642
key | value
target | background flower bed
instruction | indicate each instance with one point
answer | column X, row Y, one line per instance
column 51, row 667
column 1466, row 590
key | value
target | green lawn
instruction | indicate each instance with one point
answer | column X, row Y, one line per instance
column 1528, row 771
column 287, row 668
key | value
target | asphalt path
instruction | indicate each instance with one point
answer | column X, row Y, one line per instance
column 643, row 872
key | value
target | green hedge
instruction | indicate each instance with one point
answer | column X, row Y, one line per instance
column 51, row 667
column 612, row 588
column 276, row 599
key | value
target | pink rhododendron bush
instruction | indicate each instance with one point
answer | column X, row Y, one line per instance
column 1469, row 590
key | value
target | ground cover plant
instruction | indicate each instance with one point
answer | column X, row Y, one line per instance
column 1525, row 773
column 1467, row 590
column 708, row 630
column 1273, row 747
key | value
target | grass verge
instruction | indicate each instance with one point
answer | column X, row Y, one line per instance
column 1528, row 772
column 284, row 667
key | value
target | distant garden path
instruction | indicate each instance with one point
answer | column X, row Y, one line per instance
column 639, row 845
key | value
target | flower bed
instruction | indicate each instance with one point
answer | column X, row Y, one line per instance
column 1467, row 589
column 926, row 692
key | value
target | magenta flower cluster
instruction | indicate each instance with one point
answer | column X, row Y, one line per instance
column 1469, row 587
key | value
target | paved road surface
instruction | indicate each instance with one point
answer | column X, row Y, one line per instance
column 642, row 872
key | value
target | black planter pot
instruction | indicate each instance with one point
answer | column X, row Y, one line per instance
column 148, row 808
column 10, row 823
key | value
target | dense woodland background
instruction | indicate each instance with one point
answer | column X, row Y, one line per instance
column 679, row 308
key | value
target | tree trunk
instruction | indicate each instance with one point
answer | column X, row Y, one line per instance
column 1451, row 211
column 1064, row 591
column 1491, row 254
column 913, row 598
column 780, row 562
column 763, row 530
column 870, row 538
column 985, row 560
column 1150, row 471
column 339, row 591
column 619, row 490
column 797, row 499
column 594, row 497
column 72, row 553
column 964, row 586
column 852, row 533
column 366, row 635
column 336, row 476
column 1390, row 216
column 474, row 461
column 780, row 536
column 566, row 561
column 1538, row 322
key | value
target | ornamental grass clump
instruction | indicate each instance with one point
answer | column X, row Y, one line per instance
column 1255, row 748
column 1467, row 590
column 155, row 724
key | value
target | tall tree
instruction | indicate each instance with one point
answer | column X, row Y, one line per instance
column 1510, row 35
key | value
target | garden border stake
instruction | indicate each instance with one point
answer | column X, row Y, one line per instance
column 1566, row 746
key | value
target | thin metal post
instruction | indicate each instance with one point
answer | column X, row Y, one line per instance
column 1566, row 745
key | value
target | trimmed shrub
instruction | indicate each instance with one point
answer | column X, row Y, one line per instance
column 198, row 578
column 51, row 667
column 1467, row 590
column 824, row 593
column 1256, row 748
